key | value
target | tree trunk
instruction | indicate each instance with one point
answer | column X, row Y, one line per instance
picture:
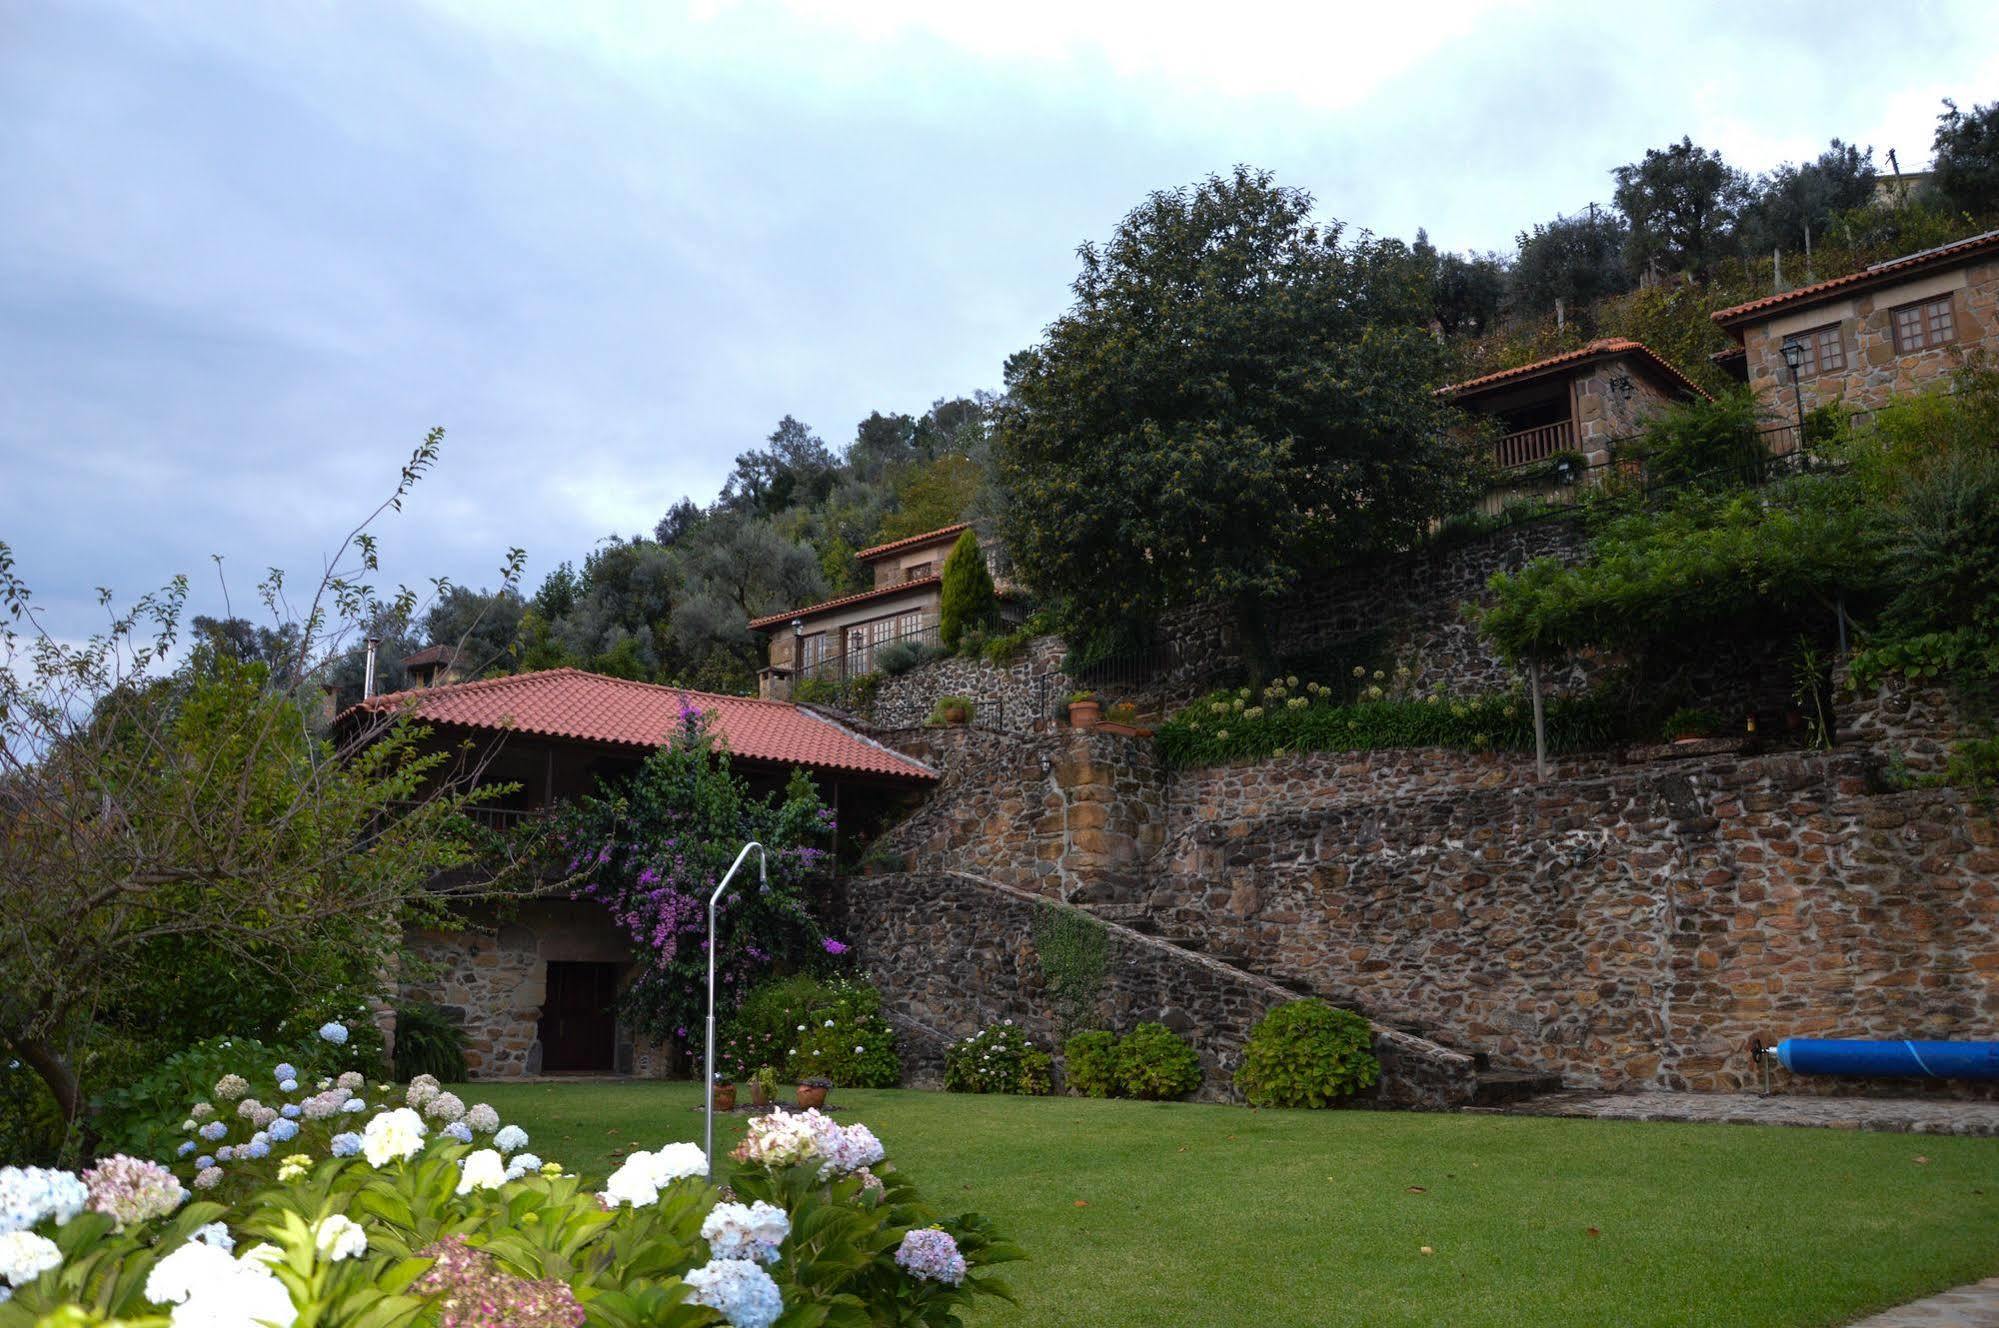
column 55, row 1071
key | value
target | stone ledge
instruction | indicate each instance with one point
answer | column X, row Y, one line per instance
column 1890, row 1115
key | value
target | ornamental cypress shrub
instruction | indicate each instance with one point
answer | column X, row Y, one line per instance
column 968, row 595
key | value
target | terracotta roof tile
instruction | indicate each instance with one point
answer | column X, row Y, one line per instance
column 858, row 597
column 591, row 707
column 430, row 655
column 1602, row 348
column 912, row 540
column 1941, row 256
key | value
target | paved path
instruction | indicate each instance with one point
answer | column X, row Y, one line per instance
column 1900, row 1115
column 1974, row 1306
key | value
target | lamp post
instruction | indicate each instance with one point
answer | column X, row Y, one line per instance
column 1794, row 357
column 708, row 1061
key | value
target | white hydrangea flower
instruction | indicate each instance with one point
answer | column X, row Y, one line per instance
column 337, row 1237
column 211, row 1290
column 522, row 1164
column 509, row 1138
column 392, row 1136
column 483, row 1170
column 746, row 1231
column 25, row 1256
column 743, row 1292
column 482, row 1118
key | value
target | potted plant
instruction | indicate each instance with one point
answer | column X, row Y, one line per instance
column 1688, row 724
column 725, row 1094
column 951, row 710
column 812, row 1092
column 1084, row 710
column 763, row 1087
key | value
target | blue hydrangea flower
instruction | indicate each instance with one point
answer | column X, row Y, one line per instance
column 458, row 1130
column 226, row 1153
column 346, row 1144
column 290, row 1111
column 355, row 1104
column 214, row 1130
column 186, row 1147
column 336, row 1033
column 288, row 1085
column 256, row 1148
column 284, row 1131
column 509, row 1138
column 204, row 1162
column 286, row 1070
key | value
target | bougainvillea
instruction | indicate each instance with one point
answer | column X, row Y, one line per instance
column 652, row 849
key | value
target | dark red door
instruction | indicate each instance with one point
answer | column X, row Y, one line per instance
column 579, row 1030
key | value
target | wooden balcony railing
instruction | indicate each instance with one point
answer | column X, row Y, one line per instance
column 493, row 818
column 1530, row 445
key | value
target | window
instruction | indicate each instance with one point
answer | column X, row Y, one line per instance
column 813, row 652
column 1923, row 325
column 1824, row 350
column 917, row 571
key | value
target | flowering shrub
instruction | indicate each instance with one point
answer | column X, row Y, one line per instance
column 1307, row 1054
column 999, row 1058
column 374, row 1215
column 1089, row 1063
column 1289, row 716
column 652, row 850
column 805, row 1027
column 1156, row 1064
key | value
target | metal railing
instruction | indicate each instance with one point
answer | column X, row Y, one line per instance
column 500, row 819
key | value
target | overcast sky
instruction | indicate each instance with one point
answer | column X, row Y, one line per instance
column 248, row 254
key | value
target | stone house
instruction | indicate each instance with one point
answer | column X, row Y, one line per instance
column 1572, row 405
column 839, row 638
column 1865, row 338
column 534, row 987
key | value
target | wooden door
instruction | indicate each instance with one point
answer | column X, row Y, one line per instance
column 579, row 1029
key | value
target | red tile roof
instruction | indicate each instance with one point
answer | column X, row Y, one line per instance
column 858, row 597
column 591, row 707
column 1602, row 348
column 1944, row 255
column 430, row 655
column 912, row 541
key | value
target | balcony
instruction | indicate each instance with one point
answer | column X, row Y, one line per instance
column 1527, row 446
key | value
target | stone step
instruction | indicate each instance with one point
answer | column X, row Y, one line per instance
column 1498, row 1087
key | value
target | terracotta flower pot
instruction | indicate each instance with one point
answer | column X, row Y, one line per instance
column 954, row 714
column 759, row 1095
column 725, row 1097
column 1085, row 714
column 811, row 1095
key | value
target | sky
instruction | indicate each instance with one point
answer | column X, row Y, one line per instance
column 252, row 252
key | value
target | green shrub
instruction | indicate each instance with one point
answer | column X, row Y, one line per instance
column 1155, row 1064
column 1307, row 1054
column 1712, row 443
column 427, row 1042
column 999, row 1058
column 1005, row 647
column 1073, row 949
column 899, row 657
column 1090, row 1063
column 31, row 1125
column 944, row 703
column 809, row 1026
column 966, row 598
column 1690, row 721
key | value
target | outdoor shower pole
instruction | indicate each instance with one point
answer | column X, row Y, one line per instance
column 708, row 1061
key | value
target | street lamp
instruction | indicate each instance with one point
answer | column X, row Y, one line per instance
column 1794, row 357
column 708, row 1061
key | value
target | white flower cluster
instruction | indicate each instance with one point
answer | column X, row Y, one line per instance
column 741, row 1291
column 337, row 1237
column 643, row 1175
column 786, row 1138
column 24, row 1256
column 393, row 1136
column 483, row 1170
column 213, row 1290
column 509, row 1138
column 421, row 1090
column 30, row 1194
column 737, row 1231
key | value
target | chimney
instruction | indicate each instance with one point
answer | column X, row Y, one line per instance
column 368, row 678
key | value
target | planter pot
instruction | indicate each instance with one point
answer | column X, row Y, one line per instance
column 955, row 715
column 811, row 1095
column 1085, row 714
column 1690, row 737
column 725, row 1097
column 759, row 1095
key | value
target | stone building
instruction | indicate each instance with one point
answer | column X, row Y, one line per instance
column 839, row 638
column 535, row 987
column 1862, row 339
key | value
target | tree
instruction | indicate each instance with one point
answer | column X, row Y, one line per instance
column 480, row 625
column 967, row 595
column 931, row 496
column 795, row 469
column 181, row 854
column 1235, row 397
column 1966, row 169
column 680, row 521
column 1574, row 260
column 1682, row 202
column 1794, row 205
column 1466, row 290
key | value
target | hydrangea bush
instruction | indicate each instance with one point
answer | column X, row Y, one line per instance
column 806, row 1027
column 1152, row 1063
column 1305, row 1053
column 332, row 1203
column 999, row 1058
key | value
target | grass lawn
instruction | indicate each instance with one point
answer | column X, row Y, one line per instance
column 1174, row 1214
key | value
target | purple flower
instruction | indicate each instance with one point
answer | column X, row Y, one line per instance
column 833, row 947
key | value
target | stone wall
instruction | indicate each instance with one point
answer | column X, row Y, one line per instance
column 1911, row 728
column 952, row 954
column 1625, row 926
column 1020, row 696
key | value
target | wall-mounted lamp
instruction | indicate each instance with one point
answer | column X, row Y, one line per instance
column 1622, row 387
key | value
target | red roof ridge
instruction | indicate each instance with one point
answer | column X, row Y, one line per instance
column 876, row 551
column 772, row 619
column 1956, row 249
column 1600, row 346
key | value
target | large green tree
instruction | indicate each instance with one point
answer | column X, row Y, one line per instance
column 1967, row 158
column 1682, row 202
column 1238, row 396
column 1575, row 260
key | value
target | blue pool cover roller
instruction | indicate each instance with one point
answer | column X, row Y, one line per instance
column 1904, row 1060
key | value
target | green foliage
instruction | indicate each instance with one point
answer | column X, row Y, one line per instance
column 31, row 1125
column 1073, row 949
column 1155, row 1064
column 1690, row 721
column 1307, row 1054
column 1090, row 1063
column 967, row 598
column 1681, row 201
column 999, row 1058
column 1575, row 260
column 1004, row 648
column 899, row 657
column 1713, row 443
column 1234, row 725
column 1966, row 169
column 427, row 1042
column 783, row 1024
column 939, row 713
column 1195, row 427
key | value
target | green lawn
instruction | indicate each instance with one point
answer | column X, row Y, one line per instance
column 1173, row 1214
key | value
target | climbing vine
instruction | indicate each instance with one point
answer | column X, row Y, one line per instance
column 1074, row 950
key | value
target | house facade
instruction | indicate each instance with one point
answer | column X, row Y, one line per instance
column 839, row 638
column 1863, row 339
column 534, row 986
